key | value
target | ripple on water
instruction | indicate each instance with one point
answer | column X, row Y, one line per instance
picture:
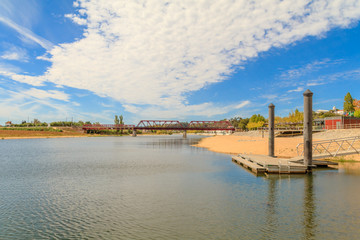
column 161, row 188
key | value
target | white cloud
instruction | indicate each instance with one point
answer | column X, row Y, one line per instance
column 269, row 96
column 154, row 52
column 15, row 53
column 241, row 105
column 42, row 94
column 27, row 34
column 299, row 89
column 131, row 108
column 339, row 76
column 308, row 68
column 32, row 80
column 40, row 104
column 8, row 70
column 207, row 109
column 76, row 19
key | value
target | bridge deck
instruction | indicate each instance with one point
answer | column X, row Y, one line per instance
column 169, row 125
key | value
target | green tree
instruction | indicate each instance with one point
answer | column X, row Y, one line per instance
column 116, row 120
column 348, row 103
column 256, row 121
column 357, row 113
column 36, row 122
column 257, row 118
column 243, row 123
column 121, row 119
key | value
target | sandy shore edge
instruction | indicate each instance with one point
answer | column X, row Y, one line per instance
column 255, row 144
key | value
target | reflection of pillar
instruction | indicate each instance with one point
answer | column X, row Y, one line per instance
column 309, row 208
column 271, row 129
column 134, row 133
column 184, row 134
column 308, row 129
column 271, row 218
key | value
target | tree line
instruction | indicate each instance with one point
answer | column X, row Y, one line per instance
column 351, row 108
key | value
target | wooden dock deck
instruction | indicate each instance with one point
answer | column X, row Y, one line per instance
column 259, row 164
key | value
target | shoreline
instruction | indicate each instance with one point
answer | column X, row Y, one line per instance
column 285, row 147
column 39, row 137
column 77, row 136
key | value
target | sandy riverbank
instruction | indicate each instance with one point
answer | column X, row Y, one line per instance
column 253, row 143
column 23, row 134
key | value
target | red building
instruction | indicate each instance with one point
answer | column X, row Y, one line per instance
column 342, row 122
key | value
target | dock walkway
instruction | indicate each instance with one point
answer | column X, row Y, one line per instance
column 265, row 164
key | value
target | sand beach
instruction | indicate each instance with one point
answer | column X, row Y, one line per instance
column 252, row 142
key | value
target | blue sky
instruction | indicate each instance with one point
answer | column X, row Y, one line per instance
column 185, row 60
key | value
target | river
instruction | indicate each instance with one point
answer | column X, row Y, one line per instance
column 160, row 187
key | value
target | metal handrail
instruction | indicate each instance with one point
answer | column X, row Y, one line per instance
column 333, row 147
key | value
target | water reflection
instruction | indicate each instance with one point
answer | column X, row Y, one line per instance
column 309, row 207
column 352, row 168
column 271, row 207
column 274, row 206
column 173, row 142
column 158, row 187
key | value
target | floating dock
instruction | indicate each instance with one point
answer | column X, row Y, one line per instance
column 259, row 164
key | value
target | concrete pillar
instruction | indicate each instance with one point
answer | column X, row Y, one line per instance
column 134, row 133
column 184, row 134
column 271, row 130
column 308, row 129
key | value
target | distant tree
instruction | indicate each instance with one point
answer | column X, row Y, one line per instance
column 255, row 121
column 116, row 120
column 356, row 104
column 348, row 103
column 357, row 113
column 121, row 122
column 296, row 116
column 36, row 122
column 243, row 123
column 257, row 118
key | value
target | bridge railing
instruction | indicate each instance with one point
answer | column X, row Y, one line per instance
column 215, row 125
column 107, row 126
column 167, row 125
column 160, row 124
column 333, row 147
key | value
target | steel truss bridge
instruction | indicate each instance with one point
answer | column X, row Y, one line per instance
column 172, row 125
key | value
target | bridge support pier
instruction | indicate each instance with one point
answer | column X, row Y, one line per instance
column 134, row 133
column 184, row 134
column 271, row 130
column 308, row 129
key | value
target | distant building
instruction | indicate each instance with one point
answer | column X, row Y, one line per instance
column 8, row 124
column 319, row 123
column 341, row 122
column 339, row 112
column 321, row 111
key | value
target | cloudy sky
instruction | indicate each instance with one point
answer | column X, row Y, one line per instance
column 175, row 59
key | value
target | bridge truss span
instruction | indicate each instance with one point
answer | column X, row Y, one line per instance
column 107, row 127
column 161, row 125
column 172, row 125
column 211, row 125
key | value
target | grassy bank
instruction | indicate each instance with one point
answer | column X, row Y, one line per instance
column 41, row 129
column 37, row 132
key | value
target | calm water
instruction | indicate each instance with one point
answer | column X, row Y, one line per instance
column 162, row 188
